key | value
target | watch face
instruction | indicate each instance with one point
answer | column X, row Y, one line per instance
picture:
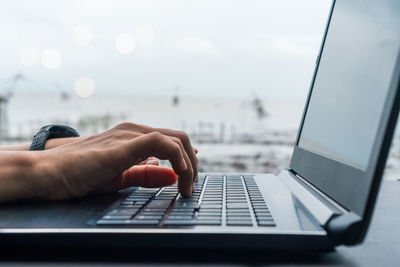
column 59, row 131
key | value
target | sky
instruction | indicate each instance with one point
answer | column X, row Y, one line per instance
column 213, row 48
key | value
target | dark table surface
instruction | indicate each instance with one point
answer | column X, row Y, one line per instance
column 380, row 248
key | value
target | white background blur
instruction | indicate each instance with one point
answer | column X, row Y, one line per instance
column 92, row 64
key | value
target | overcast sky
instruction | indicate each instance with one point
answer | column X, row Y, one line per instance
column 207, row 47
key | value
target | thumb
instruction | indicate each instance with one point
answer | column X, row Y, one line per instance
column 149, row 176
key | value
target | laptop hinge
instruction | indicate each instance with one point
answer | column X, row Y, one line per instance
column 339, row 223
column 321, row 209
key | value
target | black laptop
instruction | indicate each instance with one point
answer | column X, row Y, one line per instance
column 325, row 198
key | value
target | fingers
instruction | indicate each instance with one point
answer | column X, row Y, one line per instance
column 188, row 148
column 149, row 176
column 191, row 152
column 185, row 182
column 141, row 175
column 150, row 161
column 188, row 168
column 165, row 147
column 160, row 146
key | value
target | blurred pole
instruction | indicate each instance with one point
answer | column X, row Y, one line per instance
column 222, row 132
column 3, row 118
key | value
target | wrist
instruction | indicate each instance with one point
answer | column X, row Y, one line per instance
column 56, row 142
column 20, row 176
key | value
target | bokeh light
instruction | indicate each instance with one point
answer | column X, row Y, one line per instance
column 51, row 59
column 125, row 43
column 29, row 57
column 144, row 35
column 84, row 87
column 83, row 34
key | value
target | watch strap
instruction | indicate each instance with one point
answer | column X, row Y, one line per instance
column 39, row 140
column 50, row 132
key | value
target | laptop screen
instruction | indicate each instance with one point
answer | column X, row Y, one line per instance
column 354, row 74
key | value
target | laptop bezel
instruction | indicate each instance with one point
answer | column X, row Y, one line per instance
column 352, row 188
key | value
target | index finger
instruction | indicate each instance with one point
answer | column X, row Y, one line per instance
column 162, row 147
column 173, row 133
column 187, row 145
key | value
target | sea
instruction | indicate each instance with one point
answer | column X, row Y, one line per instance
column 232, row 134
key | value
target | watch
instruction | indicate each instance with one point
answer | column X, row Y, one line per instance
column 50, row 132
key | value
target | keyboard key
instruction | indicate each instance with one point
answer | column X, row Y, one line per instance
column 237, row 205
column 187, row 200
column 190, row 210
column 113, row 222
column 261, row 212
column 154, row 210
column 238, row 214
column 236, row 201
column 137, row 198
column 165, row 198
column 212, row 198
column 117, row 217
column 265, row 218
column 211, row 206
column 135, row 207
column 148, row 217
column 149, row 213
column 179, row 217
column 157, row 204
column 123, row 212
column 179, row 222
column 210, row 202
column 266, row 223
column 216, row 214
column 268, row 215
column 190, row 205
column 208, row 222
column 259, row 206
column 257, row 202
column 238, row 211
column 181, row 213
column 144, row 222
column 127, row 203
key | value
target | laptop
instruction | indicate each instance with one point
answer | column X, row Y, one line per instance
column 324, row 199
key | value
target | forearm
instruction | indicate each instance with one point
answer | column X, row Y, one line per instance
column 18, row 147
column 21, row 176
column 52, row 143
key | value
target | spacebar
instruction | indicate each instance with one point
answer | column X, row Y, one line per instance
column 128, row 222
column 192, row 222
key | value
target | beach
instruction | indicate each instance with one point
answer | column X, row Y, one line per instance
column 230, row 133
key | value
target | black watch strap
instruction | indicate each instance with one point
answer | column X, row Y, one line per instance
column 49, row 132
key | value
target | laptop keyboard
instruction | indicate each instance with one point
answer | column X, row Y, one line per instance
column 218, row 200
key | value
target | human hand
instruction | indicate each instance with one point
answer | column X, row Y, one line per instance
column 116, row 159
